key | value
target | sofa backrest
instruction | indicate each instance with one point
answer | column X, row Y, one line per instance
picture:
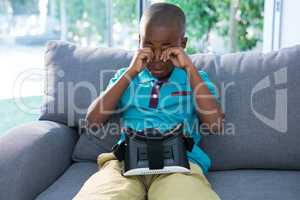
column 261, row 100
column 74, row 78
column 258, row 92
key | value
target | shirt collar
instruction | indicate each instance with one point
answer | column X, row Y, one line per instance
column 178, row 75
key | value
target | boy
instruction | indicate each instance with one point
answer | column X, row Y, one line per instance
column 160, row 88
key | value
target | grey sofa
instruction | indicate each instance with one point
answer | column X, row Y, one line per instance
column 256, row 157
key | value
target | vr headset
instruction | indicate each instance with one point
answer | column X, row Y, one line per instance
column 152, row 152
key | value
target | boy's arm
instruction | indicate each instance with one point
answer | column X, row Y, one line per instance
column 207, row 107
column 103, row 106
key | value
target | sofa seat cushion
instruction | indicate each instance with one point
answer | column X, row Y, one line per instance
column 230, row 185
column 256, row 184
column 67, row 186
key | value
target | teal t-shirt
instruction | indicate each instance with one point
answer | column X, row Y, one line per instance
column 175, row 105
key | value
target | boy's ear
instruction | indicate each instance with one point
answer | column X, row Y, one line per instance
column 184, row 42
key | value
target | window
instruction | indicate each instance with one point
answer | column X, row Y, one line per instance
column 222, row 26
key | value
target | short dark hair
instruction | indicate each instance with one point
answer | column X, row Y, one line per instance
column 163, row 14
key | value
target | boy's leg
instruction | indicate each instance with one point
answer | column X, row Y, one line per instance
column 109, row 184
column 180, row 186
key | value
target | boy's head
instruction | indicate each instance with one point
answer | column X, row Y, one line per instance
column 162, row 26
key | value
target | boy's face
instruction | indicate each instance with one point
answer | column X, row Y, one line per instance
column 160, row 38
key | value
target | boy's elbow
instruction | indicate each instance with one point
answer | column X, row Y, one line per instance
column 95, row 120
column 217, row 126
column 92, row 118
column 91, row 121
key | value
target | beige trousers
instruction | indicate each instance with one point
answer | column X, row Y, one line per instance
column 109, row 184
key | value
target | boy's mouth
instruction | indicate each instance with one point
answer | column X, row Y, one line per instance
column 156, row 71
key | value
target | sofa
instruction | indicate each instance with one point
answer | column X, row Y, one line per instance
column 257, row 156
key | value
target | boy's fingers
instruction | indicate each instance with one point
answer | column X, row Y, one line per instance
column 169, row 54
column 144, row 57
column 149, row 51
column 162, row 56
column 147, row 56
column 166, row 55
column 150, row 56
column 165, row 58
column 145, row 49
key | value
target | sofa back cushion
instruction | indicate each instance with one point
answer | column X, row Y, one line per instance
column 74, row 77
column 261, row 100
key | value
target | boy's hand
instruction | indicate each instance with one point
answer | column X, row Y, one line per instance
column 140, row 59
column 178, row 57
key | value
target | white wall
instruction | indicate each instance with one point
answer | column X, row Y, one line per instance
column 281, row 24
column 290, row 28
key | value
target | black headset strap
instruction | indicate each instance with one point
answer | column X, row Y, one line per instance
column 155, row 153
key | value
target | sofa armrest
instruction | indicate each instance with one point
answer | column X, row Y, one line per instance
column 32, row 157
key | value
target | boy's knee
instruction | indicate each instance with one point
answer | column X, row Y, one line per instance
column 181, row 186
column 104, row 157
column 108, row 183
